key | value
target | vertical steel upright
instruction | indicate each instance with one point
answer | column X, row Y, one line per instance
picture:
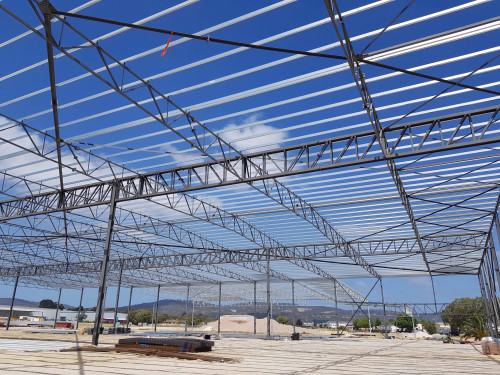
column 293, row 305
column 383, row 305
column 186, row 313
column 157, row 305
column 104, row 264
column 115, row 320
column 79, row 309
column 218, row 314
column 57, row 307
column 255, row 307
column 268, row 292
column 129, row 305
column 336, row 308
column 489, row 322
column 12, row 301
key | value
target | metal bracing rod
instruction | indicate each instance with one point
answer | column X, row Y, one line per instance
column 104, row 266
column 57, row 308
column 256, row 46
column 157, row 305
column 218, row 312
column 79, row 309
column 129, row 305
column 287, row 198
column 255, row 307
column 369, row 106
column 115, row 320
column 359, row 304
column 12, row 302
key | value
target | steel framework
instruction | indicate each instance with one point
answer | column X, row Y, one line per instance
column 282, row 174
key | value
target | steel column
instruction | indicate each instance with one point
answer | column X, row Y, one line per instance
column 57, row 307
column 186, row 313
column 268, row 294
column 118, row 295
column 383, row 304
column 129, row 305
column 157, row 305
column 336, row 308
column 104, row 266
column 293, row 305
column 12, row 302
column 218, row 314
column 485, row 303
column 79, row 310
column 255, row 307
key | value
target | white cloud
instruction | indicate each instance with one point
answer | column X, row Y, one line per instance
column 252, row 134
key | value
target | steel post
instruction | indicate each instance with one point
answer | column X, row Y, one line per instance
column 57, row 307
column 186, row 313
column 115, row 320
column 12, row 302
column 255, row 307
column 336, row 308
column 293, row 305
column 490, row 291
column 104, row 265
column 157, row 305
column 192, row 318
column 79, row 309
column 218, row 314
column 485, row 303
column 268, row 294
column 129, row 305
column 383, row 305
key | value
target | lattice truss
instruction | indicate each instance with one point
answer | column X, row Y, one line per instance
column 363, row 147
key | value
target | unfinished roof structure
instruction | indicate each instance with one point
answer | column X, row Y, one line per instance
column 214, row 144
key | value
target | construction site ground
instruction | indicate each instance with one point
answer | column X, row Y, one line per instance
column 21, row 352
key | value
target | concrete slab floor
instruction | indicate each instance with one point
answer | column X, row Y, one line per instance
column 345, row 356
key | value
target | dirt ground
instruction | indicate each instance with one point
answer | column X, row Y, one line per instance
column 254, row 356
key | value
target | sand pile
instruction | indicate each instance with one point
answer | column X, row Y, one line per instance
column 244, row 323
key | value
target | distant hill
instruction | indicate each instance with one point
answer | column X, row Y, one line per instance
column 19, row 302
column 306, row 314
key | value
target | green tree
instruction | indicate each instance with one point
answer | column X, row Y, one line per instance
column 429, row 326
column 474, row 327
column 404, row 322
column 141, row 316
column 282, row 319
column 82, row 316
column 47, row 304
column 378, row 322
column 460, row 310
column 163, row 317
column 299, row 323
